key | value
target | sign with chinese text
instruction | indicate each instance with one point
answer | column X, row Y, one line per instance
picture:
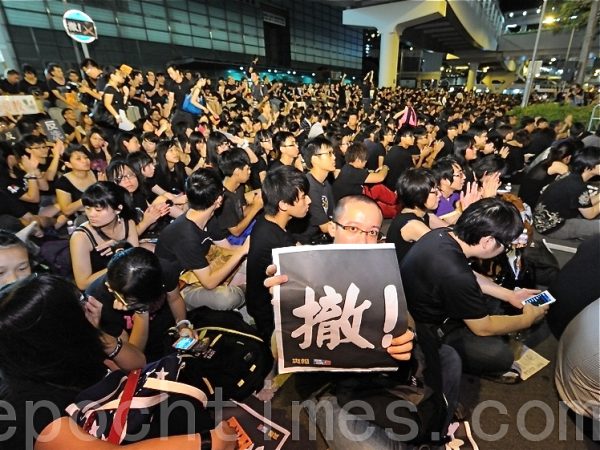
column 17, row 105
column 79, row 26
column 52, row 130
column 340, row 309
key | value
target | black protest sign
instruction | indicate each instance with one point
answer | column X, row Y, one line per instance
column 53, row 130
column 340, row 309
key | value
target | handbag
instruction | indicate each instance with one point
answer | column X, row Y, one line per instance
column 188, row 107
column 101, row 116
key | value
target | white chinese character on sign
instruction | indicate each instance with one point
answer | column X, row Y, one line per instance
column 73, row 26
column 333, row 321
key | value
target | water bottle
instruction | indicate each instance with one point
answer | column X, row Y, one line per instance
column 70, row 227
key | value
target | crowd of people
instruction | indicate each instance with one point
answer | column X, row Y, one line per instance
column 167, row 192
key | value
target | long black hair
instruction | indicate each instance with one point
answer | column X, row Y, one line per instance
column 45, row 336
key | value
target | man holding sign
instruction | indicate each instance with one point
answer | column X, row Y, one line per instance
column 357, row 220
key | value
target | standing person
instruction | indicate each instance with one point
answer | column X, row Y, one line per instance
column 178, row 87
column 320, row 159
column 444, row 294
column 184, row 245
column 285, row 197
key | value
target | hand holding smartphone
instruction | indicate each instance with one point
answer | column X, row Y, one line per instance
column 541, row 299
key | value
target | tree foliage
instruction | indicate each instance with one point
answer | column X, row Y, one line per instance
column 569, row 14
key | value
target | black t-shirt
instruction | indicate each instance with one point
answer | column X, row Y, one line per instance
column 438, row 282
column 349, row 182
column 228, row 215
column 265, row 236
column 114, row 322
column 39, row 87
column 54, row 86
column 561, row 201
column 447, row 149
column 374, row 151
column 169, row 180
column 10, row 205
column 68, row 129
column 319, row 212
column 11, row 89
column 256, row 168
column 394, row 235
column 17, row 187
column 577, row 285
column 117, row 100
column 398, row 160
column 64, row 184
column 533, row 183
column 180, row 90
column 183, row 246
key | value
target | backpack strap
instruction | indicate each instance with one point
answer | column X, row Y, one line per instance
column 120, row 418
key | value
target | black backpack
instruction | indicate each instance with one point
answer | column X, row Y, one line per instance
column 233, row 357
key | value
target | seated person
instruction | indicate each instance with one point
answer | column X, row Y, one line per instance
column 320, row 159
column 566, row 209
column 14, row 258
column 357, row 220
column 444, row 294
column 70, row 186
column 236, row 216
column 354, row 174
column 286, row 147
column 450, row 178
column 284, row 192
column 139, row 301
column 184, row 245
column 110, row 223
column 419, row 195
column 52, row 366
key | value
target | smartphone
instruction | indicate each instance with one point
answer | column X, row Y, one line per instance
column 185, row 343
column 541, row 299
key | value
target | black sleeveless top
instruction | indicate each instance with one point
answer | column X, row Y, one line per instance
column 97, row 260
column 395, row 237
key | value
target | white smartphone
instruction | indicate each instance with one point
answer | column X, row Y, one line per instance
column 541, row 299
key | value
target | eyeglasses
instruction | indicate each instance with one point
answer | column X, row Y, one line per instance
column 356, row 230
column 126, row 176
column 330, row 153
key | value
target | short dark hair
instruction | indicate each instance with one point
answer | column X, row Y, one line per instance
column 203, row 188
column 461, row 144
column 282, row 184
column 414, row 186
column 136, row 274
column 356, row 151
column 489, row 164
column 138, row 160
column 443, row 169
column 66, row 156
column 311, row 147
column 105, row 194
column 235, row 158
column 280, row 137
column 585, row 158
column 489, row 217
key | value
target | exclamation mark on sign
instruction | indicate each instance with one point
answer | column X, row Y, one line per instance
column 390, row 296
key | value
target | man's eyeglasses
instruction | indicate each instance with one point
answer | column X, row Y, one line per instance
column 330, row 153
column 356, row 230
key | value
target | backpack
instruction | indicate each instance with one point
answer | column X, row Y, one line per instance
column 233, row 357
column 417, row 383
column 125, row 408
